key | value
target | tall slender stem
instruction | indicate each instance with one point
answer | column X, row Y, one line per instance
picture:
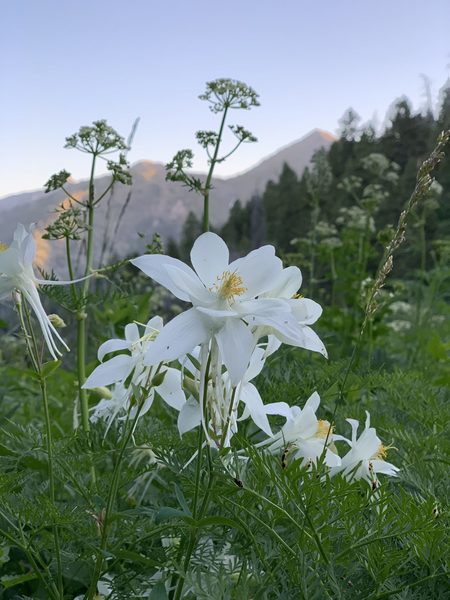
column 195, row 512
column 32, row 346
column 210, row 173
column 81, row 315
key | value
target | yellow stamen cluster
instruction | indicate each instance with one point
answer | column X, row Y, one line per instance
column 297, row 296
column 324, row 429
column 229, row 285
column 381, row 453
column 3, row 247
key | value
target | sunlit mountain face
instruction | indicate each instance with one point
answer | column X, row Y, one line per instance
column 152, row 204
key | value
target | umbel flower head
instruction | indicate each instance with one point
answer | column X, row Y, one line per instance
column 366, row 455
column 228, row 304
column 16, row 274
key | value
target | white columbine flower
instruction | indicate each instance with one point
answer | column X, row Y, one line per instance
column 303, row 435
column 366, row 455
column 227, row 299
column 220, row 395
column 16, row 273
column 128, row 370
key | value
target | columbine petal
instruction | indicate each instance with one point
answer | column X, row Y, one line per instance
column 381, row 466
column 306, row 311
column 190, row 284
column 249, row 395
column 112, row 371
column 132, row 333
column 179, row 337
column 155, row 266
column 171, row 390
column 258, row 270
column 209, row 257
column 287, row 283
column 190, row 416
column 305, row 338
column 313, row 402
column 236, row 345
column 112, row 346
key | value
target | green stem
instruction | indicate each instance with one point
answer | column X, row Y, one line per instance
column 51, row 478
column 210, row 173
column 70, row 268
column 197, row 514
column 32, row 347
column 81, row 315
column 111, row 500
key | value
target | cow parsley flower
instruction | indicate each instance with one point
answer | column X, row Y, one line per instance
column 366, row 455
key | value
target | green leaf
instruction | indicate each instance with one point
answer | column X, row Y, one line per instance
column 167, row 512
column 4, row 554
column 158, row 592
column 218, row 520
column 49, row 368
column 182, row 500
column 9, row 581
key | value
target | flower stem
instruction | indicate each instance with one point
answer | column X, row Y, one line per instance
column 197, row 514
column 112, row 494
column 210, row 173
column 33, row 351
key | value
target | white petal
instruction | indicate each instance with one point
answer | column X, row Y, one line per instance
column 178, row 337
column 332, row 459
column 279, row 408
column 381, row 466
column 306, row 311
column 170, row 389
column 313, row 402
column 132, row 333
column 189, row 416
column 216, row 313
column 112, row 346
column 209, row 257
column 48, row 330
column 258, row 271
column 305, row 337
column 354, row 424
column 256, row 365
column 274, row 314
column 255, row 406
column 116, row 369
column 155, row 266
column 287, row 283
column 10, row 262
column 236, row 345
column 154, row 324
column 191, row 284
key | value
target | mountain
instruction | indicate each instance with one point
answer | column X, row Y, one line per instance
column 152, row 203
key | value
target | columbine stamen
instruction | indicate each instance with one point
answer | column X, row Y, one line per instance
column 229, row 285
column 324, row 429
column 381, row 453
column 3, row 247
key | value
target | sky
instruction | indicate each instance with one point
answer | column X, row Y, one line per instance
column 66, row 63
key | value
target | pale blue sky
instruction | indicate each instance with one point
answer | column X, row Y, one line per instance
column 64, row 63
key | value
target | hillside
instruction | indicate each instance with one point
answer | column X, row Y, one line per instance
column 153, row 205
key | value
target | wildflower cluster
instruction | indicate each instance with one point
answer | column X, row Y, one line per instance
column 241, row 313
